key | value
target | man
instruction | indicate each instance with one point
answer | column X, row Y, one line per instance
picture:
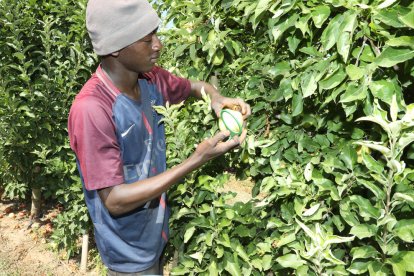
column 119, row 145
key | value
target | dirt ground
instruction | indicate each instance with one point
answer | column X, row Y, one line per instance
column 24, row 250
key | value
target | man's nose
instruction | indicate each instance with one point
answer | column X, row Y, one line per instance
column 156, row 44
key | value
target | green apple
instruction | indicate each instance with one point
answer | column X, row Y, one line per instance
column 231, row 120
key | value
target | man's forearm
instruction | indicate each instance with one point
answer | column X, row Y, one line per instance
column 123, row 198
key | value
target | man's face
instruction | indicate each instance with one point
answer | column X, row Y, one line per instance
column 141, row 56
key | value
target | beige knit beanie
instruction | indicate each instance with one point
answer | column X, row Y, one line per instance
column 115, row 24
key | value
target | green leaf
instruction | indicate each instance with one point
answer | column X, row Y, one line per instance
column 331, row 33
column 401, row 41
column 307, row 230
column 280, row 68
column 358, row 268
column 241, row 252
column 347, row 213
column 231, row 266
column 365, row 207
column 363, row 231
column 331, row 239
column 343, row 45
column 389, row 17
column 354, row 72
column 383, row 90
column 386, row 4
column 327, row 254
column 377, row 191
column 349, row 22
column 189, row 233
column 402, row 262
column 312, row 210
column 408, row 19
column 293, row 43
column 404, row 197
column 290, row 260
column 405, row 140
column 261, row 7
column 285, row 239
column 212, row 269
column 392, row 56
column 346, row 30
column 353, row 93
column 320, row 14
column 394, row 109
column 20, row 56
column 364, row 252
column 404, row 229
column 278, row 30
column 378, row 269
column 378, row 120
column 375, row 146
column 297, row 104
column 308, row 85
column 372, row 164
column 333, row 80
column 267, row 262
column 308, row 171
column 348, row 156
column 198, row 256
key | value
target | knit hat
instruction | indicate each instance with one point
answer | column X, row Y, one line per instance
column 115, row 24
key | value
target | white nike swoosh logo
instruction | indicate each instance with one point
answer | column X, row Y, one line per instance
column 123, row 134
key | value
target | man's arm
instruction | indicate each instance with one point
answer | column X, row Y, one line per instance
column 123, row 198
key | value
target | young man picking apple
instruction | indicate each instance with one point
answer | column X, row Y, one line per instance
column 119, row 145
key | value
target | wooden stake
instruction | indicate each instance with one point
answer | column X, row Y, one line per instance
column 84, row 257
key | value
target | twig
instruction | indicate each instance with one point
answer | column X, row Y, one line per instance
column 360, row 52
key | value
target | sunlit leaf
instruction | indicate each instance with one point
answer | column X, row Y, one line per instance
column 290, row 260
column 408, row 19
column 386, row 4
column 320, row 14
column 392, row 56
column 363, row 231
column 404, row 229
column 364, row 252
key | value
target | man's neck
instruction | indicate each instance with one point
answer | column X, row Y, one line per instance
column 125, row 80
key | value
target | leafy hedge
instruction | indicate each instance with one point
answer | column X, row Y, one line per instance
column 329, row 138
column 46, row 58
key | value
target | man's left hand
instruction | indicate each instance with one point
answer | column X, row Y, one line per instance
column 219, row 102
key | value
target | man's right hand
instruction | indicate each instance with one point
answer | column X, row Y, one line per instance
column 218, row 145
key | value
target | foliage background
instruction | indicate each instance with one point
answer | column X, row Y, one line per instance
column 46, row 57
column 338, row 192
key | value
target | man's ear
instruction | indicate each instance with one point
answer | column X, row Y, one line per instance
column 115, row 54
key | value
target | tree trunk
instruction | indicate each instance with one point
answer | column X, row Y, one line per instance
column 36, row 200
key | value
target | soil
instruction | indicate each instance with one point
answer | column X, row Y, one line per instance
column 25, row 251
column 242, row 188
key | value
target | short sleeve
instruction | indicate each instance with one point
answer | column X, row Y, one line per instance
column 173, row 88
column 93, row 139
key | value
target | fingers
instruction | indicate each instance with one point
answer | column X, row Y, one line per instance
column 239, row 105
column 242, row 136
column 234, row 141
column 220, row 137
column 245, row 108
